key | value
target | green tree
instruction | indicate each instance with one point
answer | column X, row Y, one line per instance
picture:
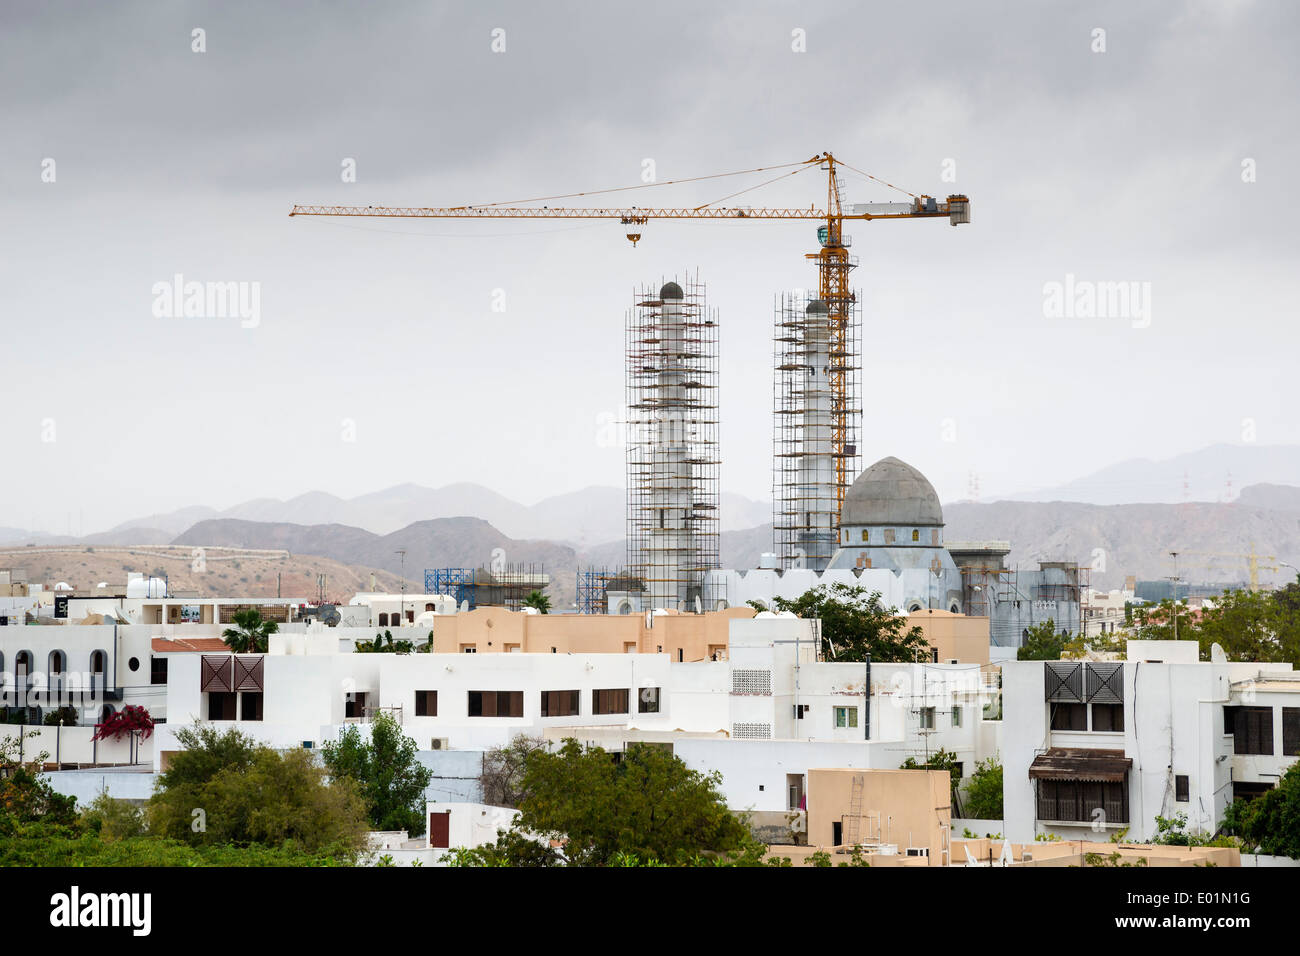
column 855, row 623
column 384, row 644
column 1159, row 622
column 1270, row 823
column 538, row 600
column 251, row 634
column 649, row 803
column 391, row 779
column 1252, row 626
column 25, row 793
column 1042, row 644
column 984, row 791
column 225, row 789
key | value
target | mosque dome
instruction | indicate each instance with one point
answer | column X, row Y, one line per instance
column 894, row 494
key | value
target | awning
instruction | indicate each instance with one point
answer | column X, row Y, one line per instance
column 1071, row 763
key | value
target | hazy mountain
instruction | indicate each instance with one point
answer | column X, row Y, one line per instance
column 1216, row 473
column 437, row 543
column 582, row 518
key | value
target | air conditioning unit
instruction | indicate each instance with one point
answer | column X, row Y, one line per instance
column 953, row 660
column 440, row 743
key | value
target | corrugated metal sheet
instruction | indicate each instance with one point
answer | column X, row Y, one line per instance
column 1069, row 763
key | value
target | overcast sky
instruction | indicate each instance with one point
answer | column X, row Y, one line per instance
column 376, row 357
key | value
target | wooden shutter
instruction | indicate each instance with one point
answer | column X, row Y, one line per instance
column 248, row 672
column 215, row 673
column 1290, row 731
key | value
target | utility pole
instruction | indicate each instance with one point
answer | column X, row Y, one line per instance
column 402, row 553
column 1174, row 555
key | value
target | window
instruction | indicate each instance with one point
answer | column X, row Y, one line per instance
column 468, row 649
column 1069, row 717
column 609, row 701
column 800, row 710
column 916, row 534
column 426, row 703
column 559, row 703
column 383, row 619
column 354, row 706
column 158, row 670
column 889, row 536
column 496, row 703
column 927, row 718
column 864, row 535
column 221, row 705
column 846, row 716
column 250, row 706
column 934, row 655
column 1182, row 789
column 1075, row 801
column 1290, row 731
column 956, row 716
column 1108, row 718
column 649, row 700
column 680, row 655
column 1252, row 728
column 428, row 607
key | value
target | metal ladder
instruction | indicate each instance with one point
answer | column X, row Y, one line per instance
column 853, row 826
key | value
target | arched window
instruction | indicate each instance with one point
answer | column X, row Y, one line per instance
column 916, row 534
column 866, row 535
column 624, row 607
column 58, row 662
column 98, row 670
column 428, row 607
column 22, row 669
column 914, row 606
column 383, row 619
column 105, row 712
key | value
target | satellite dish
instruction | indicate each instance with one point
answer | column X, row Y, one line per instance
column 329, row 615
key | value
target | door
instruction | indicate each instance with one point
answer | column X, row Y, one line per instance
column 837, row 833
column 440, row 830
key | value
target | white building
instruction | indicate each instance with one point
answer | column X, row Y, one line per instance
column 1094, row 747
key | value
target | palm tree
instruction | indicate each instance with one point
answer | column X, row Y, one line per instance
column 538, row 600
column 251, row 634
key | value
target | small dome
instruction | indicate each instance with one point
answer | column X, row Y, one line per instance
column 671, row 291
column 894, row 494
column 817, row 306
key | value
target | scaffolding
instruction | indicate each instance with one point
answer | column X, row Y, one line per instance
column 672, row 443
column 817, row 410
column 506, row 585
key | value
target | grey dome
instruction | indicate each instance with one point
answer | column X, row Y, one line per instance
column 894, row 494
column 817, row 305
column 671, row 291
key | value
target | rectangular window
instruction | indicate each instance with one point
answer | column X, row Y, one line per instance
column 426, row 703
column 250, row 706
column 846, row 716
column 1069, row 716
column 1290, row 731
column 221, row 705
column 1076, row 801
column 609, row 701
column 468, row 649
column 927, row 718
column 496, row 703
column 800, row 711
column 1253, row 730
column 1108, row 718
column 560, row 703
column 1182, row 789
column 648, row 700
column 355, row 707
column 158, row 670
column 956, row 716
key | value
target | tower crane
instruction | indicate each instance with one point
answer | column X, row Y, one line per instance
column 832, row 258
